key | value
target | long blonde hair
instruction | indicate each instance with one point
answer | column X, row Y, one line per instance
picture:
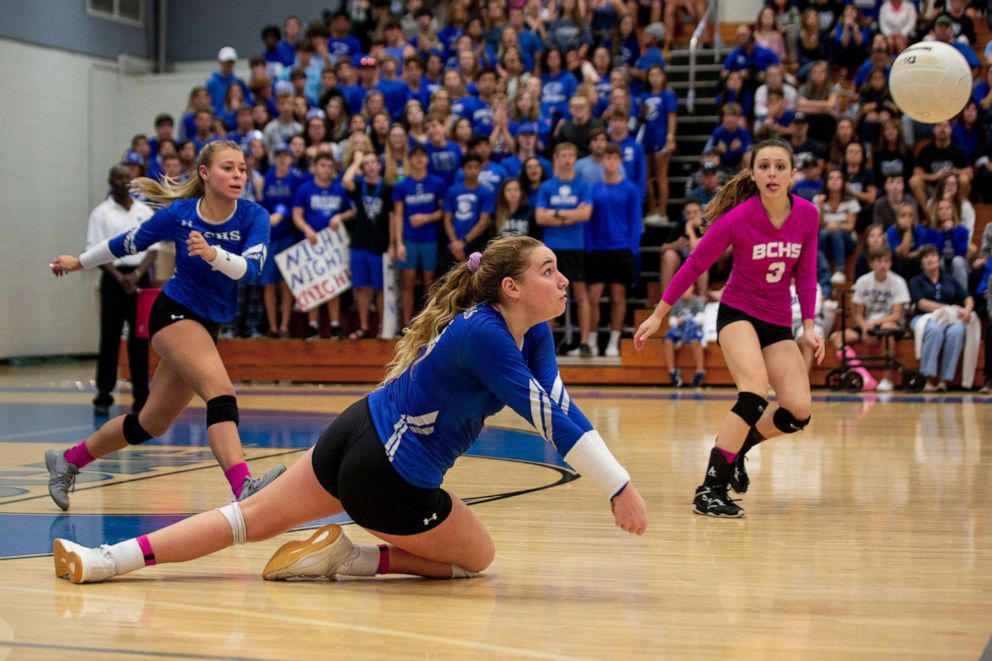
column 741, row 186
column 168, row 190
column 458, row 290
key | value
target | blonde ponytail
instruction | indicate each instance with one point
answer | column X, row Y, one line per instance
column 168, row 190
column 458, row 290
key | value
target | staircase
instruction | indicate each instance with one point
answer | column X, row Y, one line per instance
column 692, row 131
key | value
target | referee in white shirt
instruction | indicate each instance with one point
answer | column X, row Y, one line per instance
column 118, row 292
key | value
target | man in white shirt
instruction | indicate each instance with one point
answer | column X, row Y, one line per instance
column 880, row 299
column 118, row 292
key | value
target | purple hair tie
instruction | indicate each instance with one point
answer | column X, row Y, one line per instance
column 474, row 261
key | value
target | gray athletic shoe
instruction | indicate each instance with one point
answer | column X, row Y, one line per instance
column 61, row 477
column 253, row 485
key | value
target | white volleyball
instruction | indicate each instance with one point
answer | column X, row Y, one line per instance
column 930, row 81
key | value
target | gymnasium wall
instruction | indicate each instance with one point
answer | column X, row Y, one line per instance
column 67, row 119
column 64, row 24
column 197, row 29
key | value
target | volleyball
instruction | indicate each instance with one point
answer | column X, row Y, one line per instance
column 930, row 81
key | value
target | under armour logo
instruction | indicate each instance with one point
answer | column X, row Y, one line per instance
column 433, row 517
column 794, row 426
column 177, row 316
column 711, row 472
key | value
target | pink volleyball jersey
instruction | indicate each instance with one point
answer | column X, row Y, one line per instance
column 766, row 259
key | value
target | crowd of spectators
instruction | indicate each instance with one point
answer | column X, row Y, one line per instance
column 501, row 117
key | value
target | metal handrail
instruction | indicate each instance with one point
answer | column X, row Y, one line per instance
column 712, row 12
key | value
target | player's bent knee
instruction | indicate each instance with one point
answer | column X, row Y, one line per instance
column 749, row 407
column 222, row 409
column 788, row 423
column 134, row 433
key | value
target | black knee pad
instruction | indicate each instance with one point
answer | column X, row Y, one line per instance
column 222, row 409
column 788, row 423
column 749, row 407
column 134, row 433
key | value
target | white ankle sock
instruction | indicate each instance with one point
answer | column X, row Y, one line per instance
column 363, row 561
column 127, row 556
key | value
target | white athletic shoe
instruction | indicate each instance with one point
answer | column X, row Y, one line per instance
column 81, row 564
column 319, row 556
column 838, row 278
column 884, row 386
column 612, row 351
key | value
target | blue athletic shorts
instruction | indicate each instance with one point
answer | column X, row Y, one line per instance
column 423, row 255
column 366, row 268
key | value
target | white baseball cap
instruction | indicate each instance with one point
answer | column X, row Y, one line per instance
column 227, row 54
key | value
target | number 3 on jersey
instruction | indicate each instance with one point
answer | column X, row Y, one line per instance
column 775, row 272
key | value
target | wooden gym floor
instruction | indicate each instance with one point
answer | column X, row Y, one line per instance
column 865, row 536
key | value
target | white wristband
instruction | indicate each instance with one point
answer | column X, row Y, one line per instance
column 97, row 255
column 231, row 265
column 591, row 458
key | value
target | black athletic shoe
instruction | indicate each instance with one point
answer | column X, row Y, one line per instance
column 312, row 333
column 714, row 501
column 337, row 333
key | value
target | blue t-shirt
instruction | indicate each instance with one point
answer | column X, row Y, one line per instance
column 419, row 196
column 433, row 412
column 721, row 136
column 465, row 106
column 277, row 197
column 194, row 283
column 514, row 166
column 444, row 161
column 616, row 222
column 320, row 203
column 344, row 47
column 555, row 93
column 757, row 60
column 655, row 108
column 217, row 85
column 557, row 194
column 634, row 161
column 466, row 206
column 396, row 93
column 491, row 175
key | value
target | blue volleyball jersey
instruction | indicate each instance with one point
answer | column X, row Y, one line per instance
column 433, row 412
column 419, row 196
column 557, row 194
column 194, row 283
column 634, row 161
column 466, row 206
column 277, row 197
column 320, row 204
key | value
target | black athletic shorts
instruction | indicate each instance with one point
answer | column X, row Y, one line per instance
column 768, row 333
column 166, row 312
column 350, row 462
column 572, row 264
column 610, row 266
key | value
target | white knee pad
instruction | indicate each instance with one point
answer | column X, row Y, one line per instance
column 232, row 512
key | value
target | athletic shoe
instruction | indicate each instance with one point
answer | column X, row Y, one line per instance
column 319, row 556
column 885, row 386
column 568, row 349
column 585, row 351
column 986, row 389
column 697, row 379
column 81, row 564
column 61, row 477
column 612, row 351
column 653, row 220
column 253, row 485
column 337, row 333
column 714, row 501
column 838, row 278
column 676, row 378
column 312, row 333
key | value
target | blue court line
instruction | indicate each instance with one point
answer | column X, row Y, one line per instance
column 659, row 393
column 117, row 650
column 987, row 653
